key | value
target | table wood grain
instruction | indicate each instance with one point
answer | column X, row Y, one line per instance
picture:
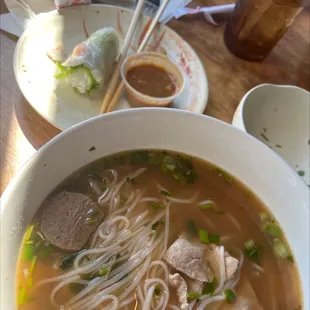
column 23, row 131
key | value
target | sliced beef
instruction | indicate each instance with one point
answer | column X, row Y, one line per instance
column 68, row 219
column 195, row 286
column 246, row 298
column 179, row 283
column 213, row 258
column 188, row 256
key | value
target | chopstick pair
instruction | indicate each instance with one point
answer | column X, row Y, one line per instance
column 111, row 98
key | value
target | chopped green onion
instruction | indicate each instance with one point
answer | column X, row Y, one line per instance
column 290, row 258
column 103, row 271
column 279, row 146
column 29, row 251
column 280, row 249
column 165, row 193
column 214, row 239
column 139, row 157
column 272, row 229
column 229, row 295
column 264, row 136
column 169, row 163
column 21, row 296
column 193, row 295
column 28, row 233
column 30, row 282
column 209, row 287
column 207, row 206
column 203, row 236
column 251, row 249
column 301, row 173
column 29, row 242
column 179, row 177
column 192, row 228
column 33, row 263
column 157, row 291
column 157, row 205
column 264, row 217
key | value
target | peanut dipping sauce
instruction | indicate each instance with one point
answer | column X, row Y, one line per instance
column 152, row 81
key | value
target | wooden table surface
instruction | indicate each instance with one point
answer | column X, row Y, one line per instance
column 23, row 131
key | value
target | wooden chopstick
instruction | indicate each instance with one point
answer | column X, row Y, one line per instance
column 146, row 38
column 116, row 74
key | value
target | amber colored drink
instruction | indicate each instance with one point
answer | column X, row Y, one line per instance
column 256, row 26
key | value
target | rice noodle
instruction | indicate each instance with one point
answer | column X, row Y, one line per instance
column 148, row 298
column 204, row 202
column 222, row 270
column 126, row 302
column 258, row 268
column 182, row 201
column 234, row 221
column 126, row 247
column 209, row 301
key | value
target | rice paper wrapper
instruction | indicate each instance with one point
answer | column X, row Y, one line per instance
column 91, row 62
column 63, row 3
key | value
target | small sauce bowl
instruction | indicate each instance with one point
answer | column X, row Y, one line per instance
column 139, row 99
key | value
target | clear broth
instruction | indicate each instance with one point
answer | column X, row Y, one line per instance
column 278, row 287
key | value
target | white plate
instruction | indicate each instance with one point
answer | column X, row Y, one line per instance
column 57, row 33
column 279, row 116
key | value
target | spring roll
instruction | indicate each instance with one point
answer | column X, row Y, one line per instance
column 91, row 62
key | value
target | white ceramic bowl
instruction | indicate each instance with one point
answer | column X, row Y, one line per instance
column 279, row 116
column 273, row 181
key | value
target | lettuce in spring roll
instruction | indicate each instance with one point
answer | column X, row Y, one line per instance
column 91, row 62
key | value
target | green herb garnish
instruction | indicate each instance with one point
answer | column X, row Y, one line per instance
column 29, row 252
column 21, row 296
column 280, row 249
column 229, row 295
column 165, row 193
column 279, row 146
column 209, row 287
column 207, row 206
column 251, row 249
column 169, row 163
column 272, row 229
column 157, row 291
column 32, row 265
column 139, row 157
column 192, row 295
column 103, row 271
column 214, row 239
column 29, row 232
column 301, row 173
column 264, row 136
column 203, row 236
